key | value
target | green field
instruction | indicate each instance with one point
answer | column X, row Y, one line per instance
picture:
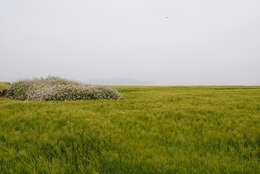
column 151, row 130
column 4, row 85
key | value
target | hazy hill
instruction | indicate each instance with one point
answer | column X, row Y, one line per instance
column 120, row 81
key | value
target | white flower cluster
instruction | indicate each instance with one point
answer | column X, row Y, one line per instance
column 57, row 89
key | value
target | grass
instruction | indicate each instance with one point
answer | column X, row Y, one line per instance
column 4, row 85
column 191, row 130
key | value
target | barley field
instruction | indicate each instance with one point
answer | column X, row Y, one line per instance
column 150, row 130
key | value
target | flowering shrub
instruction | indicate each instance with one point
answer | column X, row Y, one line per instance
column 57, row 89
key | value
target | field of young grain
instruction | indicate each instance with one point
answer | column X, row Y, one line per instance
column 4, row 85
column 151, row 130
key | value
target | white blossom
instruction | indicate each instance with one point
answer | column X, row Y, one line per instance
column 58, row 89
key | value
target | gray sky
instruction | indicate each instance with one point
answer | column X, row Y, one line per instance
column 169, row 42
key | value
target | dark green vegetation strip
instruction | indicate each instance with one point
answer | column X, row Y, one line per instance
column 150, row 130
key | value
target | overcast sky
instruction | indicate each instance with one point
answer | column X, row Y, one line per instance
column 169, row 42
